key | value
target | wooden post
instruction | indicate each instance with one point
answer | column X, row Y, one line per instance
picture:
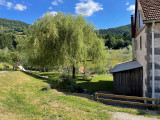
column 156, row 102
column 96, row 96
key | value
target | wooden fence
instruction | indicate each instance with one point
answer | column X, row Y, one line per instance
column 126, row 97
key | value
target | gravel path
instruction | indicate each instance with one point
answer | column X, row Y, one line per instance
column 127, row 116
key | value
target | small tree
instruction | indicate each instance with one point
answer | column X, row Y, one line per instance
column 64, row 39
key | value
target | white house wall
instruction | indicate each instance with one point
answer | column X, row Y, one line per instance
column 141, row 54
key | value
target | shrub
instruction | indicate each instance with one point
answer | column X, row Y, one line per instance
column 64, row 82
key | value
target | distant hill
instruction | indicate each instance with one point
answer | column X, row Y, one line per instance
column 116, row 38
column 12, row 26
column 10, row 30
column 116, row 31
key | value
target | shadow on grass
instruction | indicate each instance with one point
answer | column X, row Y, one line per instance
column 101, row 85
column 91, row 86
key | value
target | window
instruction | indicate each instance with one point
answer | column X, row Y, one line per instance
column 135, row 47
column 141, row 43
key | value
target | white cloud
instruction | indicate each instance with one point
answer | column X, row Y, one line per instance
column 6, row 4
column 127, row 3
column 87, row 7
column 9, row 5
column 131, row 8
column 54, row 13
column 61, row 1
column 50, row 8
column 20, row 7
column 54, row 3
column 2, row 2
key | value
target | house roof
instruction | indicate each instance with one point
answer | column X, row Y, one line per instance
column 150, row 9
column 126, row 66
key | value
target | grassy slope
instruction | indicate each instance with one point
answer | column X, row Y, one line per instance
column 21, row 98
column 99, row 83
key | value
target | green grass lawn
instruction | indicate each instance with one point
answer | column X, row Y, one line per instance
column 21, row 98
column 99, row 83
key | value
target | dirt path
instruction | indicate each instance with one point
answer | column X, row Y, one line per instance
column 127, row 116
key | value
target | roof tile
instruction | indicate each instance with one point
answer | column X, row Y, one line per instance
column 150, row 9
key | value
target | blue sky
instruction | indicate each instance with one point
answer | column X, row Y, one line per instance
column 102, row 13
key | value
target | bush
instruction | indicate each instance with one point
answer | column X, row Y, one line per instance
column 64, row 82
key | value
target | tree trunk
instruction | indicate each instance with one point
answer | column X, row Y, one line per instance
column 74, row 72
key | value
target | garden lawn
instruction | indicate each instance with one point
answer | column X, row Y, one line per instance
column 102, row 82
column 21, row 97
column 99, row 83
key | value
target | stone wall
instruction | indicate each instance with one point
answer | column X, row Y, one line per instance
column 141, row 53
column 144, row 57
column 157, row 60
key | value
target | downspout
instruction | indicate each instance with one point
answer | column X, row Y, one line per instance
column 153, row 61
column 133, row 38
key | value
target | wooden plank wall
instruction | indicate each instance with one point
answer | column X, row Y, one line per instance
column 129, row 82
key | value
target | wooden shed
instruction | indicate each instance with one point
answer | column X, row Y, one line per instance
column 128, row 79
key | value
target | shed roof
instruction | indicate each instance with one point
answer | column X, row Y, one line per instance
column 126, row 66
column 150, row 9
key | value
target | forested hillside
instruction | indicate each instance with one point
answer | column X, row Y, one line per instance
column 12, row 39
column 116, row 38
column 12, row 26
column 10, row 30
column 116, row 31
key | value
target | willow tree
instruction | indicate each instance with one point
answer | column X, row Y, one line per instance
column 57, row 40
